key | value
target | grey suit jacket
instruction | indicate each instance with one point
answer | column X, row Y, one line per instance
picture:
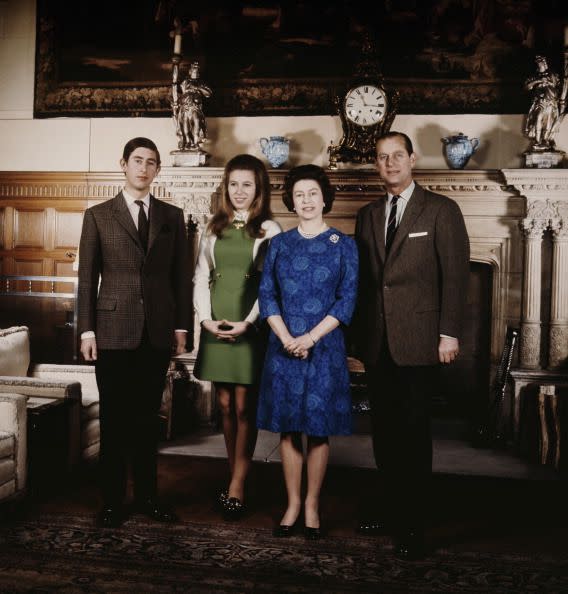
column 135, row 288
column 419, row 291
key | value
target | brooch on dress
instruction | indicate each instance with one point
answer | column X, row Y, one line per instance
column 240, row 219
column 334, row 238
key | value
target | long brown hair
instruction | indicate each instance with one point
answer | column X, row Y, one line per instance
column 260, row 208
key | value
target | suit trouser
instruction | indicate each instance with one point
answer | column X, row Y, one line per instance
column 130, row 384
column 402, row 440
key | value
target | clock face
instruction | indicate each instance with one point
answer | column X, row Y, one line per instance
column 365, row 105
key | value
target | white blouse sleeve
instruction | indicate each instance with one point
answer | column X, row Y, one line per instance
column 201, row 280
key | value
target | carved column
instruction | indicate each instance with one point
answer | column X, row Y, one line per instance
column 558, row 353
column 546, row 192
column 530, row 323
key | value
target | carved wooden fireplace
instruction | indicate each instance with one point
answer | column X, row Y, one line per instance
column 518, row 226
column 517, row 220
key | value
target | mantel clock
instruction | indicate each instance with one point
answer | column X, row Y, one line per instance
column 366, row 110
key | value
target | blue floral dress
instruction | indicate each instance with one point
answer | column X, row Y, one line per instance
column 303, row 281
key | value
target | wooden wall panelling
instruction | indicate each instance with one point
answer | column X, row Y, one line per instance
column 30, row 228
column 67, row 228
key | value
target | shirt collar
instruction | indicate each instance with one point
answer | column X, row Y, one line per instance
column 130, row 200
column 405, row 194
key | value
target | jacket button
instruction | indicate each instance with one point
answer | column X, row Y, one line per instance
column 141, row 300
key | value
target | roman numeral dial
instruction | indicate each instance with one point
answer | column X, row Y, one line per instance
column 365, row 105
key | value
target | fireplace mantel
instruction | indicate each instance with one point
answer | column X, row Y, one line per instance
column 516, row 218
column 508, row 213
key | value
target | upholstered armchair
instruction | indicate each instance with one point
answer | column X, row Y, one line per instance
column 13, row 445
column 44, row 382
column 75, row 382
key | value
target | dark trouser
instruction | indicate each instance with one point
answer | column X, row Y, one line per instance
column 130, row 384
column 402, row 441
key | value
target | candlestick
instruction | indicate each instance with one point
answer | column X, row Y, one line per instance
column 177, row 43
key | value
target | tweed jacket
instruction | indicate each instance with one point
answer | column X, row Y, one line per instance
column 206, row 264
column 419, row 291
column 136, row 288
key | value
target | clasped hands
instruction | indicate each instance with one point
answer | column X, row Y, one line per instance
column 298, row 347
column 228, row 335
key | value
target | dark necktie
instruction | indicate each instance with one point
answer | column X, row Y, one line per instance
column 142, row 225
column 391, row 225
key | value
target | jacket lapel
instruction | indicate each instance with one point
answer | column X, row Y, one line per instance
column 123, row 216
column 157, row 220
column 378, row 225
column 412, row 211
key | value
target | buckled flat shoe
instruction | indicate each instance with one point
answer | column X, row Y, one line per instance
column 221, row 499
column 284, row 530
column 233, row 508
column 156, row 511
column 372, row 526
column 410, row 546
column 111, row 516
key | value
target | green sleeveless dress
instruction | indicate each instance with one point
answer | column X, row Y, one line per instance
column 234, row 289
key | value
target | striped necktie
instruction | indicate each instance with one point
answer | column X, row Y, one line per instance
column 142, row 225
column 391, row 225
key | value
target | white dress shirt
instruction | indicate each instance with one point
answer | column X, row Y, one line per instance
column 400, row 205
column 134, row 208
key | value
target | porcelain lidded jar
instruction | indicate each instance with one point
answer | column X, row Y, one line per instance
column 276, row 149
column 458, row 149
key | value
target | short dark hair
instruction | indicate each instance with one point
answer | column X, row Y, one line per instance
column 394, row 134
column 314, row 172
column 140, row 141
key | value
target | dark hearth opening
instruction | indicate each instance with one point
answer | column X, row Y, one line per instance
column 463, row 393
column 464, row 385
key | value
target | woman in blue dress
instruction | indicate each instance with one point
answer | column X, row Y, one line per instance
column 307, row 294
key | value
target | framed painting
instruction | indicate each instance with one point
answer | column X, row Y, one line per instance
column 290, row 57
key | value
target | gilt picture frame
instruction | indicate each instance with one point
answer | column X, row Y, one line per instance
column 298, row 57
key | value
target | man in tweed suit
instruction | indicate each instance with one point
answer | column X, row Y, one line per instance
column 136, row 247
column 414, row 270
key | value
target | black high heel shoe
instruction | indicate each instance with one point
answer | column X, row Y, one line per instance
column 312, row 533
column 285, row 530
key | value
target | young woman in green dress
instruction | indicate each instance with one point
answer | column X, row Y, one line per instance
column 226, row 282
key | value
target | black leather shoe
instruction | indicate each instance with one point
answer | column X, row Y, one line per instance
column 284, row 530
column 111, row 516
column 372, row 526
column 410, row 545
column 233, row 508
column 221, row 499
column 156, row 511
column 312, row 533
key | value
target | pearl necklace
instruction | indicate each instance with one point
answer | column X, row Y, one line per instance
column 311, row 235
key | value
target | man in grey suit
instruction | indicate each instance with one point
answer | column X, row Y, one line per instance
column 414, row 270
column 136, row 247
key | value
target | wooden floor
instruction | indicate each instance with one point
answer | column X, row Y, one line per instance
column 468, row 513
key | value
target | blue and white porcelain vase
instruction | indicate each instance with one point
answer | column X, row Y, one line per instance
column 458, row 149
column 276, row 149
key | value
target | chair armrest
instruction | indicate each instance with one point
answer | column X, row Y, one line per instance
column 15, row 405
column 40, row 388
column 84, row 374
column 13, row 419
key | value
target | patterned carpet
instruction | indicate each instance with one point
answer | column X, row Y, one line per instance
column 66, row 554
